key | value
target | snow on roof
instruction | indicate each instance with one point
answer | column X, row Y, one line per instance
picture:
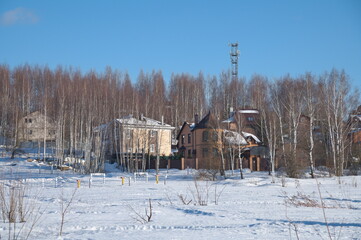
column 130, row 120
column 251, row 135
column 231, row 119
column 143, row 121
column 249, row 111
column 234, row 138
column 101, row 127
column 243, row 111
column 237, row 138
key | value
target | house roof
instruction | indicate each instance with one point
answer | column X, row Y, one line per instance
column 191, row 126
column 206, row 122
column 238, row 138
column 135, row 122
column 254, row 111
column 143, row 121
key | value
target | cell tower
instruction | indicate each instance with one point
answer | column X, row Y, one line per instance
column 234, row 60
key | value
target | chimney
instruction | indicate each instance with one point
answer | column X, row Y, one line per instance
column 162, row 120
column 230, row 112
column 196, row 120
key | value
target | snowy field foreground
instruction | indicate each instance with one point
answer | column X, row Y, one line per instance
column 252, row 208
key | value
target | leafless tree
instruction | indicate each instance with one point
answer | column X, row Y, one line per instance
column 337, row 105
column 311, row 106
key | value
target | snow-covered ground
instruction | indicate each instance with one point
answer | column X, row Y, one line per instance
column 252, row 208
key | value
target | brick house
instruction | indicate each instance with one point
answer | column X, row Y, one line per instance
column 355, row 122
column 203, row 143
column 246, row 120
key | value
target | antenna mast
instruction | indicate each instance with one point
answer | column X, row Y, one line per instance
column 234, row 60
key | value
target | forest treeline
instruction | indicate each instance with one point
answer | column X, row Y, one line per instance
column 79, row 102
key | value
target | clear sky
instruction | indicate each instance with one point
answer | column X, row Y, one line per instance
column 275, row 37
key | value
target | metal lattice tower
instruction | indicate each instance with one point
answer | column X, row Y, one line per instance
column 234, row 60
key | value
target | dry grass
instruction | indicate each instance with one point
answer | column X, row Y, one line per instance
column 143, row 218
column 302, row 200
column 19, row 211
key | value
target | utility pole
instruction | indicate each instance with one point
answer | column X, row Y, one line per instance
column 234, row 60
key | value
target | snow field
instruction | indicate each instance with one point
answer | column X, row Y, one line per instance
column 252, row 208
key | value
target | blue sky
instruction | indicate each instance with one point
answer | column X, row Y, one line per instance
column 275, row 37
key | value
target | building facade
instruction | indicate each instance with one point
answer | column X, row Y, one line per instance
column 35, row 127
column 205, row 143
column 131, row 137
column 246, row 120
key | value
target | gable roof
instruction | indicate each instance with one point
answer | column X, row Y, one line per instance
column 143, row 122
column 191, row 126
column 206, row 122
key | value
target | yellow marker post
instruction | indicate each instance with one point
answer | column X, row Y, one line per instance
column 122, row 180
column 78, row 183
column 156, row 179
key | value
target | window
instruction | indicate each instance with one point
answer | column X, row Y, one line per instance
column 153, row 133
column 30, row 132
column 182, row 139
column 30, row 120
column 26, row 120
column 250, row 119
column 215, row 152
column 194, row 152
column 189, row 153
column 205, row 136
column 205, row 152
column 249, row 139
column 215, row 136
column 151, row 148
column 189, row 138
column 128, row 133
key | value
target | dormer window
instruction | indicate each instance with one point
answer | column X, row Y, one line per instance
column 249, row 139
